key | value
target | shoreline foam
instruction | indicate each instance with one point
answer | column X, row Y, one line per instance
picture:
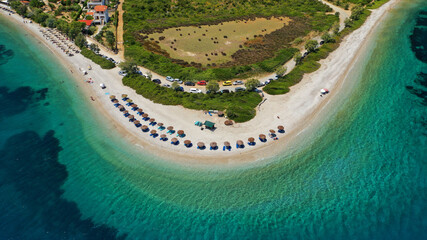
column 302, row 109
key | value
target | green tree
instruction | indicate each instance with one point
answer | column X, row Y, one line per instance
column 149, row 75
column 129, row 66
column 36, row 4
column 281, row 71
column 98, row 37
column 51, row 22
column 356, row 11
column 175, row 86
column 251, row 84
column 80, row 40
column 311, row 45
column 326, row 37
column 336, row 28
column 109, row 36
column 94, row 47
column 212, row 86
column 297, row 58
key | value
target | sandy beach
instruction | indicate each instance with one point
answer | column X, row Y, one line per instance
column 295, row 110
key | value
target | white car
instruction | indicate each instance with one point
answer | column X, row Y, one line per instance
column 166, row 85
column 267, row 82
column 169, row 78
column 238, row 82
column 177, row 80
column 195, row 90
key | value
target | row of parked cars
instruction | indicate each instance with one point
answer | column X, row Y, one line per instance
column 200, row 83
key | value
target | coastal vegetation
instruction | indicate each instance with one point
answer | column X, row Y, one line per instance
column 310, row 63
column 102, row 62
column 146, row 23
column 238, row 106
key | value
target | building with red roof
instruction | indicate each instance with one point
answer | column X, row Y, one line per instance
column 101, row 14
column 88, row 22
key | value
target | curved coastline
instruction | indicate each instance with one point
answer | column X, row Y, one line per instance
column 304, row 97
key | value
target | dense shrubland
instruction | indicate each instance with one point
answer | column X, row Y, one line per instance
column 147, row 16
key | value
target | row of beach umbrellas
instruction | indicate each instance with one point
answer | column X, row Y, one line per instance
column 174, row 140
column 59, row 39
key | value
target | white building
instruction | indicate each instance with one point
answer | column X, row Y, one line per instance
column 93, row 3
column 100, row 15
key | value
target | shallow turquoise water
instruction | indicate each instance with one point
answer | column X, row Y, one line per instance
column 362, row 177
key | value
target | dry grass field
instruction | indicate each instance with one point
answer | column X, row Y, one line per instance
column 214, row 44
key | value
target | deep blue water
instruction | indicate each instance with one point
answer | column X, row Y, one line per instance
column 65, row 175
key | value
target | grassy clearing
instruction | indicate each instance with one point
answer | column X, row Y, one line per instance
column 239, row 106
column 104, row 63
column 145, row 17
column 214, row 43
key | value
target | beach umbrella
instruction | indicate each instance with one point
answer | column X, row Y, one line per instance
column 180, row 132
column 220, row 113
column 144, row 127
column 227, row 144
column 174, row 140
column 124, row 95
column 272, row 131
column 280, row 127
column 134, row 105
column 115, row 101
column 153, row 131
column 139, row 110
column 228, row 122
column 144, row 115
column 200, row 144
column 131, row 116
column 170, row 128
column 239, row 142
column 121, row 107
column 136, row 122
column 126, row 111
column 112, row 97
column 187, row 142
column 160, row 124
column 129, row 100
column 152, row 120
column 251, row 139
column 213, row 144
column 163, row 136
column 262, row 136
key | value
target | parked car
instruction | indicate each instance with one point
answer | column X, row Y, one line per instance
column 169, row 78
column 261, row 84
column 189, row 83
column 225, row 91
column 177, row 80
column 157, row 81
column 179, row 89
column 226, row 83
column 166, row 85
column 195, row 90
column 266, row 82
column 202, row 83
column 270, row 79
column 238, row 82
column 122, row 73
column 321, row 42
column 239, row 89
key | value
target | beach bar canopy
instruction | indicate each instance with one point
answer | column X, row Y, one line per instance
column 209, row 124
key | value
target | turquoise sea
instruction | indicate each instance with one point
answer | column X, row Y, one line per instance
column 65, row 174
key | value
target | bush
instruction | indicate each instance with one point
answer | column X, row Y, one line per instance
column 239, row 106
column 104, row 63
